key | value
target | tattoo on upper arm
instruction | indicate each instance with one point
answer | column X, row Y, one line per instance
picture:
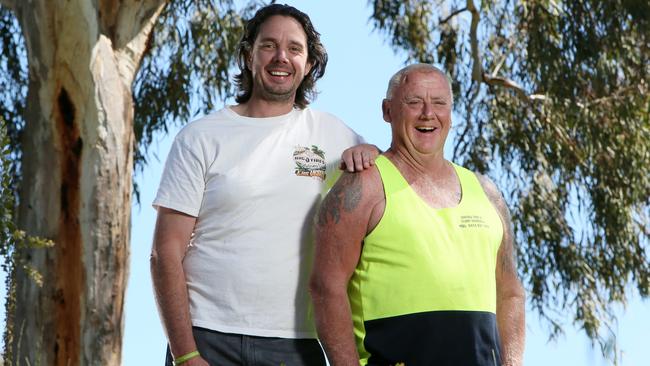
column 345, row 194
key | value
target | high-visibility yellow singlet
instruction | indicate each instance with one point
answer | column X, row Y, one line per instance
column 424, row 290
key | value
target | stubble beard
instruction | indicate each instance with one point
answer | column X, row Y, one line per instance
column 273, row 93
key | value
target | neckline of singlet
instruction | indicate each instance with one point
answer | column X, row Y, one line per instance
column 401, row 179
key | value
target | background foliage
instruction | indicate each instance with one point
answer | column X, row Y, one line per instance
column 554, row 105
column 11, row 237
column 13, row 89
column 187, row 68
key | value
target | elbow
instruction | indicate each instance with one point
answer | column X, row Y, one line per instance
column 154, row 262
column 320, row 297
column 515, row 295
column 519, row 292
column 325, row 288
column 162, row 260
column 316, row 287
column 511, row 293
column 153, row 256
column 319, row 288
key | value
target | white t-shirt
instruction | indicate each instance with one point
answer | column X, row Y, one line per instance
column 254, row 185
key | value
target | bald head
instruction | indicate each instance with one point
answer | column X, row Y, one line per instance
column 402, row 75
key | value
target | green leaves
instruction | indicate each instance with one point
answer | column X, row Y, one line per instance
column 188, row 66
column 12, row 238
column 406, row 24
column 13, row 81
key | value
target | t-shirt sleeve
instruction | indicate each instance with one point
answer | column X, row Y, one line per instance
column 183, row 180
column 348, row 138
column 360, row 139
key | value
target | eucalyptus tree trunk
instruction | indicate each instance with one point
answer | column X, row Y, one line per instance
column 77, row 162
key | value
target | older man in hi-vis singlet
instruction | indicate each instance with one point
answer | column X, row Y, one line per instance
column 414, row 258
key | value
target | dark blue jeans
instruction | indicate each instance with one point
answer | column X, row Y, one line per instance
column 225, row 349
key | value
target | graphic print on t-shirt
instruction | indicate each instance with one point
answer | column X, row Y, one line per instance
column 310, row 162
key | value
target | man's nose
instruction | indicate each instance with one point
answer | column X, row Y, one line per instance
column 427, row 110
column 280, row 55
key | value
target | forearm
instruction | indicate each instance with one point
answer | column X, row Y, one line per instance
column 334, row 326
column 511, row 322
column 173, row 303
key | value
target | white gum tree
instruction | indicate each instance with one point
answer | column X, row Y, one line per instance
column 77, row 163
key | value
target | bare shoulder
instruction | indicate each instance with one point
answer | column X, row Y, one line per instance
column 507, row 249
column 368, row 182
column 354, row 194
column 493, row 193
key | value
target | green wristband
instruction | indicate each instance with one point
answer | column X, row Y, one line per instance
column 186, row 357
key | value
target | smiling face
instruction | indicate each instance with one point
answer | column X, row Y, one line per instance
column 278, row 60
column 419, row 112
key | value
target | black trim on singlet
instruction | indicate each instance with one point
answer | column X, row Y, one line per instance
column 435, row 338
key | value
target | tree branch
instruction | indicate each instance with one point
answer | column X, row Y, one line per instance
column 641, row 220
column 499, row 64
column 617, row 95
column 511, row 84
column 134, row 17
column 453, row 14
column 477, row 69
column 478, row 74
column 135, row 23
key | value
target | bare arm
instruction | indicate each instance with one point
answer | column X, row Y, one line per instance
column 171, row 237
column 346, row 215
column 510, row 292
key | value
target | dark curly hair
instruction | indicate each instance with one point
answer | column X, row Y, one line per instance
column 316, row 54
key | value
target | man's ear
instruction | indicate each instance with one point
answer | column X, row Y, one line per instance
column 248, row 55
column 308, row 67
column 385, row 108
column 248, row 60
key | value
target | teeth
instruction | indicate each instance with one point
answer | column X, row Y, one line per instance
column 279, row 73
column 425, row 129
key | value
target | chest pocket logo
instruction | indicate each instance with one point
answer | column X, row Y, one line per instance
column 473, row 222
column 310, row 162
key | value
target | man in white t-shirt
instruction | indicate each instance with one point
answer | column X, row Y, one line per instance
column 232, row 246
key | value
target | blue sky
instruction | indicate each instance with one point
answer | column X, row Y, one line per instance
column 359, row 67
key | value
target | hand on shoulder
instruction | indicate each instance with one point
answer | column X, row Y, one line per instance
column 359, row 157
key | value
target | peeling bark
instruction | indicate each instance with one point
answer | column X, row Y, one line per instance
column 77, row 164
column 68, row 266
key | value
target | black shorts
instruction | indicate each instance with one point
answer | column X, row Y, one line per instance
column 225, row 349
